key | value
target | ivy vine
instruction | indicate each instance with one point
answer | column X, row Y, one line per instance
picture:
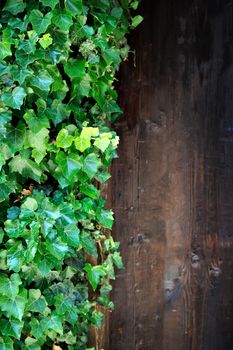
column 58, row 60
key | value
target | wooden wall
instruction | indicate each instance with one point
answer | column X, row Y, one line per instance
column 172, row 186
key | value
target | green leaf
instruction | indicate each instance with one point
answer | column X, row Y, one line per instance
column 88, row 244
column 14, row 307
column 42, row 81
column 117, row 259
column 26, row 167
column 136, row 21
column 71, row 235
column 58, row 249
column 15, row 98
column 90, row 190
column 69, row 164
column 36, row 302
column 14, row 6
column 105, row 218
column 5, row 50
column 9, row 286
column 75, row 68
column 94, row 274
column 50, row 3
column 15, row 138
column 64, row 140
column 39, row 22
column 35, row 123
column 75, row 7
column 6, row 343
column 52, row 322
column 11, row 328
column 62, row 19
column 91, row 164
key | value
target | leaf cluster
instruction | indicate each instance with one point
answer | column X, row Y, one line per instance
column 58, row 61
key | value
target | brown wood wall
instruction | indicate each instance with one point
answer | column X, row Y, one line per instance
column 172, row 186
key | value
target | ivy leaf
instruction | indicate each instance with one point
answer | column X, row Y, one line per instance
column 90, row 190
column 105, row 218
column 94, row 274
column 62, row 19
column 91, row 164
column 64, row 140
column 69, row 164
column 14, row 307
column 6, row 343
column 26, row 167
column 136, row 21
column 102, row 143
column 75, row 68
column 9, row 286
column 39, row 22
column 14, row 6
column 36, row 302
column 5, row 50
column 117, row 259
column 74, row 6
column 15, row 98
column 30, row 203
column 11, row 328
column 42, row 81
column 57, row 249
column 50, row 3
column 71, row 235
column 46, row 40
column 82, row 144
column 15, row 138
column 52, row 322
column 38, row 141
column 35, row 123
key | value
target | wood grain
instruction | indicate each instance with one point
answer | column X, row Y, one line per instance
column 172, row 186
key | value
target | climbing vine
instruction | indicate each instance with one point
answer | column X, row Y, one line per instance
column 58, row 60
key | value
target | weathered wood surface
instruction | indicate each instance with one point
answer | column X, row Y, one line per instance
column 172, row 186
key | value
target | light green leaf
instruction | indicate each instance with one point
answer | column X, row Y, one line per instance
column 52, row 322
column 36, row 302
column 102, row 143
column 30, row 203
column 38, row 141
column 81, row 143
column 39, row 22
column 64, row 140
column 14, row 6
column 15, row 98
column 46, row 40
column 136, row 21
column 90, row 190
column 5, row 50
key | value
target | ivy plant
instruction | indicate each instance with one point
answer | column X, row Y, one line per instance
column 58, row 60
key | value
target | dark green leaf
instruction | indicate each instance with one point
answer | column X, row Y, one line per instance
column 15, row 98
column 14, row 6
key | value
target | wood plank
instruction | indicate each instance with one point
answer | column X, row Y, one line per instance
column 172, row 184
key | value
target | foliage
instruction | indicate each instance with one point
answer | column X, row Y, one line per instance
column 58, row 60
